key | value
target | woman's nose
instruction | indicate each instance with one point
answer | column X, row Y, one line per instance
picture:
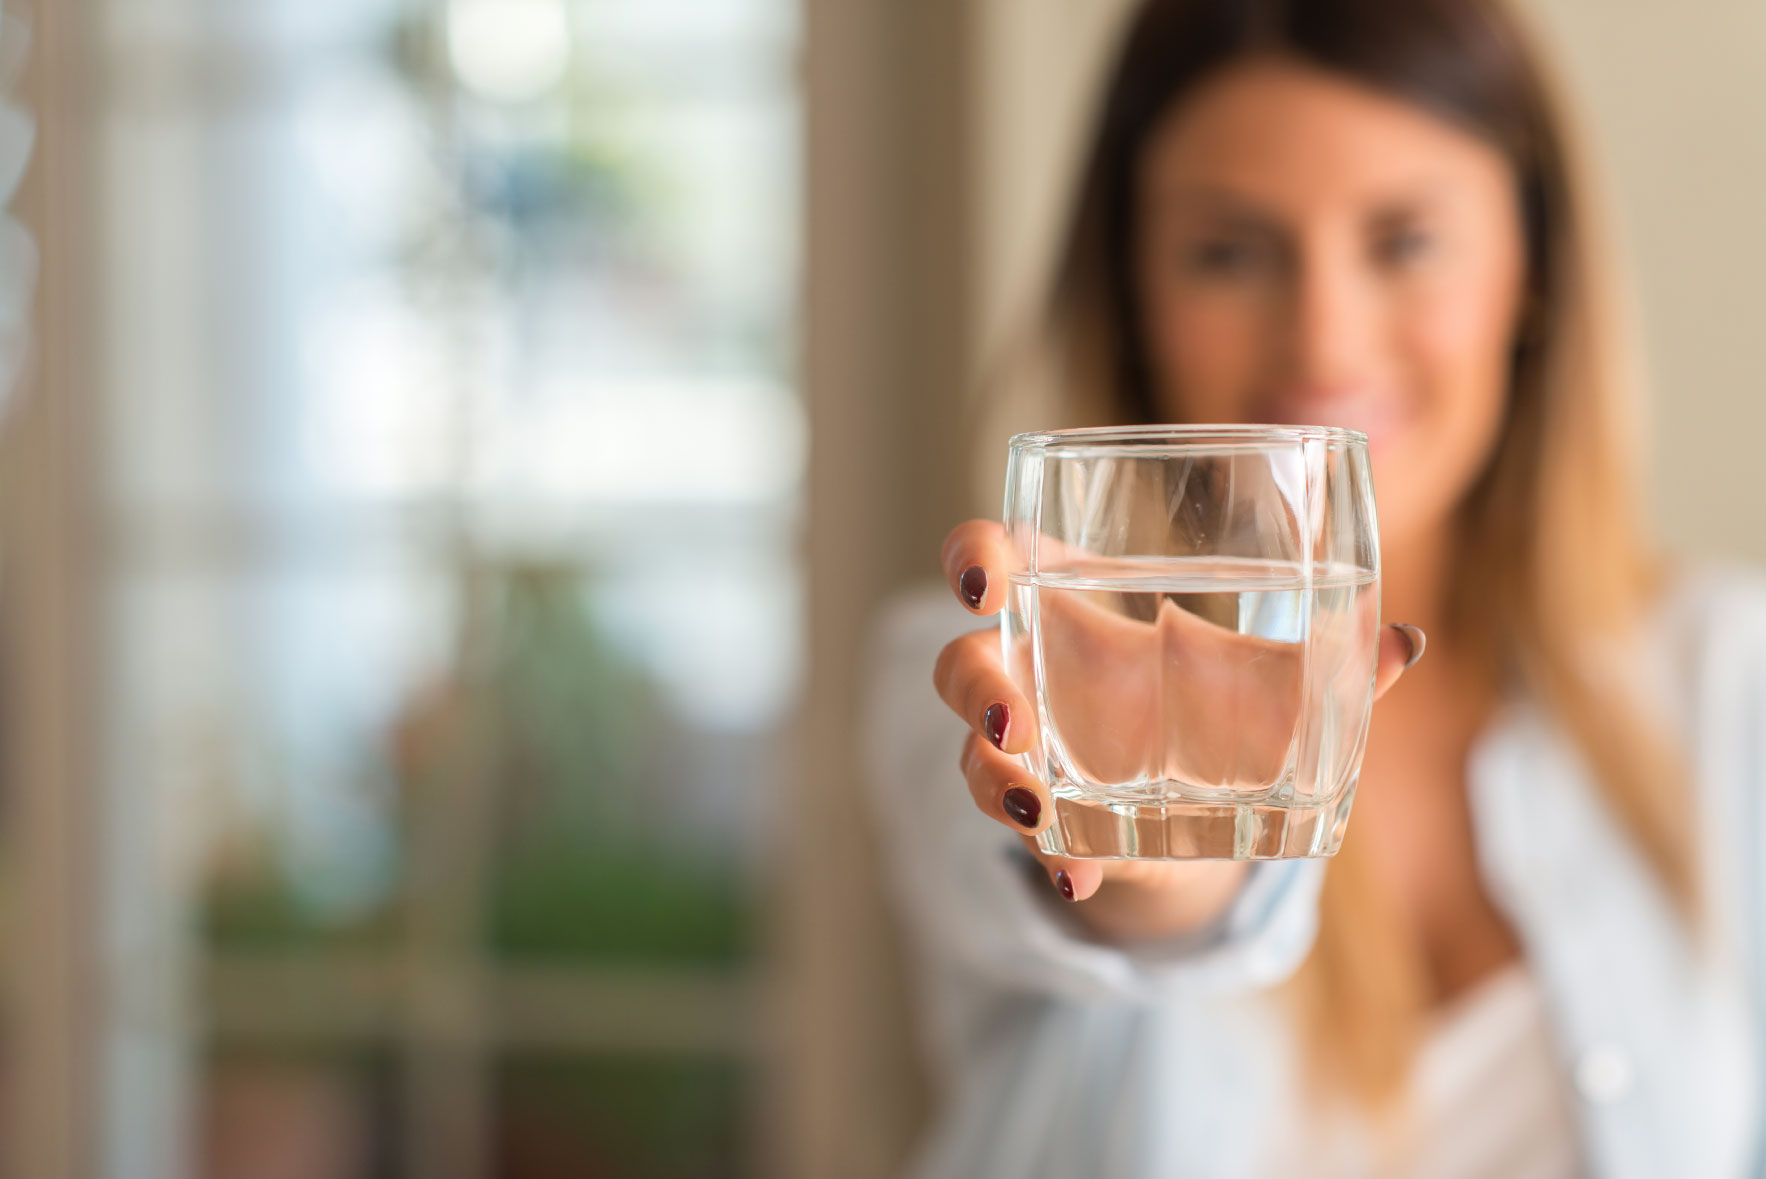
column 1332, row 328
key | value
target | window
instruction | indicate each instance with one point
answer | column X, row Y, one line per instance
column 453, row 478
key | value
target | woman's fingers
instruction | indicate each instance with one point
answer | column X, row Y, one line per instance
column 971, row 679
column 1003, row 789
column 1008, row 795
column 976, row 560
column 1401, row 645
column 1074, row 880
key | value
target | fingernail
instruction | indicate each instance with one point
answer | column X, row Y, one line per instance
column 994, row 722
column 1064, row 882
column 1022, row 806
column 1416, row 638
column 973, row 583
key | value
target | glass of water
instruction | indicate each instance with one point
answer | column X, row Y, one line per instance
column 1195, row 613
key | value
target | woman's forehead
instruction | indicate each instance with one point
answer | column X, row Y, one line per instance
column 1267, row 134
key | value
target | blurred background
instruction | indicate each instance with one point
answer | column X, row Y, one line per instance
column 454, row 451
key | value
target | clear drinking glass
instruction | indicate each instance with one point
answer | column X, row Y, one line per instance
column 1195, row 612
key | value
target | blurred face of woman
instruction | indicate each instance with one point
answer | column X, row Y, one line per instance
column 1312, row 251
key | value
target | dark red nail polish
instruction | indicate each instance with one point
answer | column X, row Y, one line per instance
column 1022, row 806
column 1064, row 882
column 994, row 722
column 973, row 583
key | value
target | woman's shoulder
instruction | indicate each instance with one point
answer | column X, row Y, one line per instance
column 1706, row 656
column 1712, row 610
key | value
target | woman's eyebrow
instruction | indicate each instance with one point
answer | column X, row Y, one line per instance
column 1224, row 204
column 1232, row 210
column 1411, row 200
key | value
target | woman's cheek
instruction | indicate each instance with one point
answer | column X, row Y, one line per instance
column 1456, row 364
column 1462, row 347
column 1463, row 327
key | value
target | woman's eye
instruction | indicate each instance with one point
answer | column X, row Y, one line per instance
column 1401, row 246
column 1224, row 256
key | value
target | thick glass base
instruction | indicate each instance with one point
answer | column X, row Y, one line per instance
column 1090, row 829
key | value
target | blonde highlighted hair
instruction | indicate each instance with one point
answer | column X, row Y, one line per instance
column 1551, row 559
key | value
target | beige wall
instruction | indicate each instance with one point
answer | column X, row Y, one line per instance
column 886, row 331
column 1037, row 64
column 1036, row 67
column 53, row 1005
column 1675, row 94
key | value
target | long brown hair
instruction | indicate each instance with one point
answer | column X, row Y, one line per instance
column 1550, row 559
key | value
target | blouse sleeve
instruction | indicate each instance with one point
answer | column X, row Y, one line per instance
column 976, row 901
column 1715, row 656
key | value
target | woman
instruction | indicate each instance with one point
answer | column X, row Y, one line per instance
column 1534, row 955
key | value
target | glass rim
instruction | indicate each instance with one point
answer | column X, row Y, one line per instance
column 1251, row 434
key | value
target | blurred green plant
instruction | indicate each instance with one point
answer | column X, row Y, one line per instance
column 567, row 735
column 251, row 905
column 562, row 897
column 582, row 868
column 630, row 1117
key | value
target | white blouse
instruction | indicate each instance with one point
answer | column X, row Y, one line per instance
column 1630, row 1049
column 1487, row 1100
